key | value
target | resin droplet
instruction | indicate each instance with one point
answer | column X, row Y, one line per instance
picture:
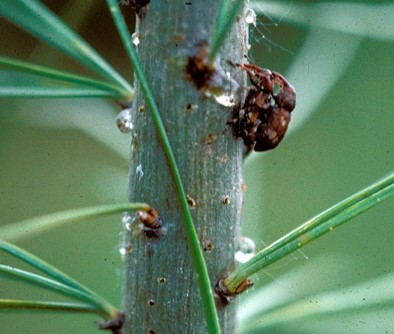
column 123, row 121
column 226, row 100
column 247, row 250
column 139, row 171
column 210, row 79
column 123, row 252
column 250, row 17
column 128, row 220
column 135, row 38
column 223, row 88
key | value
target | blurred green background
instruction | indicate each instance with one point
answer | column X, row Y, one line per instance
column 57, row 154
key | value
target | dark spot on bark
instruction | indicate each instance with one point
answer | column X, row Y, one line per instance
column 140, row 7
column 207, row 246
column 191, row 201
column 226, row 200
column 210, row 138
column 198, row 68
column 162, row 280
column 223, row 158
column 191, row 107
column 114, row 325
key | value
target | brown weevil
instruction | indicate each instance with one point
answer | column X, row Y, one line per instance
column 262, row 120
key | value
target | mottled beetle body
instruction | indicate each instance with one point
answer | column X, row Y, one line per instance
column 263, row 119
column 270, row 133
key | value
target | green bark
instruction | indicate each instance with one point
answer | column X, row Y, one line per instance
column 160, row 291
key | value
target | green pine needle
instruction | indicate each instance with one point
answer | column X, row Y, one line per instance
column 43, row 266
column 64, row 77
column 51, row 271
column 34, row 279
column 48, row 306
column 52, row 92
column 37, row 225
column 39, row 21
column 321, row 224
column 226, row 17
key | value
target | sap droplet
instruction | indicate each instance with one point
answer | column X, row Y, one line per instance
column 135, row 38
column 247, row 250
column 124, row 121
column 139, row 171
column 211, row 79
column 128, row 220
column 223, row 87
column 226, row 100
column 250, row 17
column 123, row 252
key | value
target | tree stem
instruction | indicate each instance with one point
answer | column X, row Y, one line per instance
column 160, row 291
